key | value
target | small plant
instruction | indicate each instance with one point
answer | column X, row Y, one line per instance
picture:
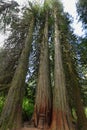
column 28, row 108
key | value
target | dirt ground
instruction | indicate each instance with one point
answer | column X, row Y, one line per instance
column 26, row 128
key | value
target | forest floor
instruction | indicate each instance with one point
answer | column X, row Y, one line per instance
column 26, row 128
column 31, row 128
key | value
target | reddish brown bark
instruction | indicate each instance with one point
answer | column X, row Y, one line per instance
column 41, row 116
column 61, row 117
column 60, row 121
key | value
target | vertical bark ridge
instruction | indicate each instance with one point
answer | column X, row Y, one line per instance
column 43, row 93
column 60, row 111
column 13, row 102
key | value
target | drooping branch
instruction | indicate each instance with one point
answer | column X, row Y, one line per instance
column 4, row 5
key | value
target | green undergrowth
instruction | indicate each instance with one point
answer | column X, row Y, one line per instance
column 28, row 108
column 2, row 99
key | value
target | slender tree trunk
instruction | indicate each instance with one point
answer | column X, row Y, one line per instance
column 11, row 113
column 43, row 93
column 61, row 118
column 81, row 117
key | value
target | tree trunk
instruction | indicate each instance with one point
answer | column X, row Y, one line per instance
column 61, row 118
column 42, row 108
column 81, row 117
column 11, row 113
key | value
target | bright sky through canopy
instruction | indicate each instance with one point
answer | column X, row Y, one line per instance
column 69, row 6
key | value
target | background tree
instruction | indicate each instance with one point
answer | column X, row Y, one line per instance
column 82, row 9
column 70, row 56
column 8, row 14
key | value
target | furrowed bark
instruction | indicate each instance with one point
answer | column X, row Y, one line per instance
column 11, row 113
column 42, row 109
column 61, row 117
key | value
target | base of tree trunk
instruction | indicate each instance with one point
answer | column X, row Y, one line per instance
column 42, row 124
column 41, row 117
column 60, row 121
column 18, row 119
column 15, row 120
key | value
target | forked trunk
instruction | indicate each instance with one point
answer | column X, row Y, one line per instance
column 42, row 108
column 61, row 117
column 11, row 113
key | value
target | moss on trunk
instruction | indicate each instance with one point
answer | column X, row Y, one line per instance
column 11, row 113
